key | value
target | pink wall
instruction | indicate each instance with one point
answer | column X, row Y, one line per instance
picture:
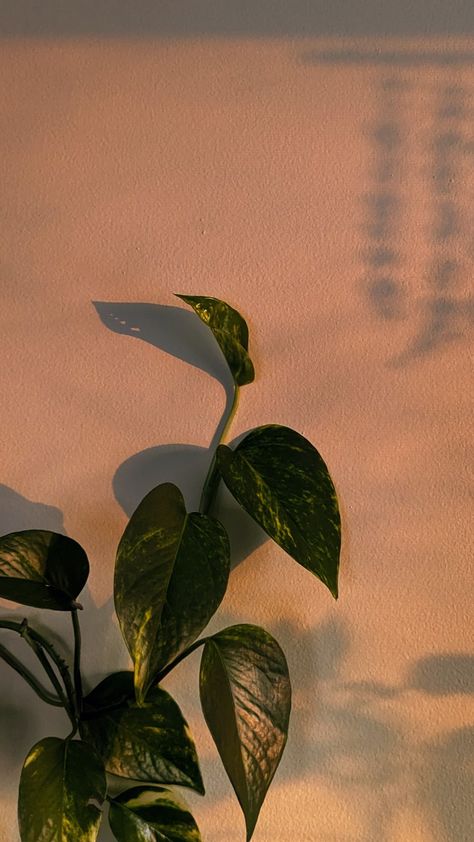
column 324, row 187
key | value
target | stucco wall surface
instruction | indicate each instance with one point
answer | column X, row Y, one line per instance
column 323, row 185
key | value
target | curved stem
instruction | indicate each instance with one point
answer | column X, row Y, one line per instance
column 30, row 634
column 13, row 662
column 211, row 483
column 43, row 659
column 77, row 661
column 164, row 672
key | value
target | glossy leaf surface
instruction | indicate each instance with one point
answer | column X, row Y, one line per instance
column 246, row 699
column 280, row 479
column 61, row 787
column 42, row 569
column 147, row 743
column 142, row 814
column 231, row 332
column 171, row 573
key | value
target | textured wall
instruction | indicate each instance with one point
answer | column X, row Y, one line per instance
column 324, row 186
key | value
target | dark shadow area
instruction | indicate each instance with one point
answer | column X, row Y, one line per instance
column 267, row 18
column 443, row 675
column 17, row 513
column 438, row 774
column 181, row 334
column 447, row 796
column 443, row 312
column 174, row 330
column 185, row 465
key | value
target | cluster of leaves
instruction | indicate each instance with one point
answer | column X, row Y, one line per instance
column 171, row 573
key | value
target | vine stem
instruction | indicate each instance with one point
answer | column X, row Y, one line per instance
column 211, row 483
column 43, row 659
column 39, row 644
column 209, row 490
column 15, row 664
column 77, row 661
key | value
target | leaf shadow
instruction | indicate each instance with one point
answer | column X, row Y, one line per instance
column 180, row 334
column 18, row 513
column 185, row 465
column 171, row 329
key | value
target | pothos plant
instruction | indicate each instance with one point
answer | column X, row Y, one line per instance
column 171, row 573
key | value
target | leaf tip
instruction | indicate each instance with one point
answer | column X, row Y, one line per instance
column 250, row 823
column 200, row 788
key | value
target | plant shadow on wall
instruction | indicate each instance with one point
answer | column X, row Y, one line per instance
column 19, row 721
column 171, row 574
column 178, row 333
column 351, row 735
column 417, row 242
column 354, row 737
column 22, row 722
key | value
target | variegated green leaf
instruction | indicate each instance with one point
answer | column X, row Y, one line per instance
column 281, row 480
column 143, row 814
column 171, row 573
column 43, row 569
column 62, row 786
column 246, row 699
column 231, row 332
column 150, row 742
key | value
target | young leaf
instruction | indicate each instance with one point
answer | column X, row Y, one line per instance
column 231, row 332
column 246, row 699
column 42, row 569
column 171, row 573
column 280, row 479
column 143, row 814
column 147, row 743
column 62, row 785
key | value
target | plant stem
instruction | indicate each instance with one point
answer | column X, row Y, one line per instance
column 164, row 672
column 211, row 483
column 77, row 661
column 42, row 658
column 13, row 662
column 31, row 635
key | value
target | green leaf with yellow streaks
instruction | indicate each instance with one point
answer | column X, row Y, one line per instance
column 62, row 786
column 148, row 742
column 143, row 814
column 42, row 569
column 281, row 480
column 231, row 332
column 246, row 699
column 171, row 573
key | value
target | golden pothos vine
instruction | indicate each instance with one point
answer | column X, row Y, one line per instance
column 171, row 574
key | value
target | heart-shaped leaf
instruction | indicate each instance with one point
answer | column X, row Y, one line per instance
column 62, row 786
column 280, row 479
column 171, row 573
column 231, row 332
column 42, row 569
column 142, row 814
column 150, row 742
column 246, row 699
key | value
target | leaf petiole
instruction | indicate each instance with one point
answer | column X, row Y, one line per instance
column 164, row 672
column 211, row 483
